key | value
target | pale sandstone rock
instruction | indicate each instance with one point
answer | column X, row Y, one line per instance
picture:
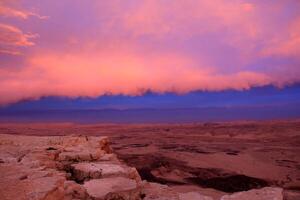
column 29, row 169
column 193, row 196
column 85, row 171
column 267, row 193
column 134, row 174
column 69, row 141
column 32, row 188
column 106, row 188
column 97, row 154
column 112, row 170
column 109, row 157
column 155, row 191
column 83, row 149
column 104, row 144
column 94, row 170
column 8, row 159
column 72, row 190
column 46, row 188
column 37, row 159
column 84, row 155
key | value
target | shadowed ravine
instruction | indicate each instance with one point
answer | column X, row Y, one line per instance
column 218, row 179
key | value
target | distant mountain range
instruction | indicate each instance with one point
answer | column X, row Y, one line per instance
column 150, row 115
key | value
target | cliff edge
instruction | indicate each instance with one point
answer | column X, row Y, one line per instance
column 81, row 167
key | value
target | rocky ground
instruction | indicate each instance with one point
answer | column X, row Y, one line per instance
column 192, row 161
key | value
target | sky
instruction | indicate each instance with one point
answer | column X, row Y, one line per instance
column 124, row 54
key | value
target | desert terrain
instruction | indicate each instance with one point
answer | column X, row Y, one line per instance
column 212, row 158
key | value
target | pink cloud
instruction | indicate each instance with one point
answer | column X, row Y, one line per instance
column 188, row 17
column 10, row 52
column 102, row 73
column 10, row 35
column 121, row 47
column 287, row 44
column 10, row 12
column 7, row 11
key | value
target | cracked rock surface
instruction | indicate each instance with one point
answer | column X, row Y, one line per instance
column 81, row 167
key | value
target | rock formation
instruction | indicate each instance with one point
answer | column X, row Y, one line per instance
column 80, row 167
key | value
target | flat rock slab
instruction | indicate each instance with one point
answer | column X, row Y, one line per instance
column 94, row 170
column 155, row 191
column 118, row 186
column 81, row 155
column 32, row 188
column 193, row 196
column 267, row 193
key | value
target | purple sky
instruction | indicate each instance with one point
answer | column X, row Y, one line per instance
column 87, row 49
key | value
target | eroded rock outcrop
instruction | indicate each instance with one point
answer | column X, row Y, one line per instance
column 69, row 167
column 80, row 167
column 95, row 170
